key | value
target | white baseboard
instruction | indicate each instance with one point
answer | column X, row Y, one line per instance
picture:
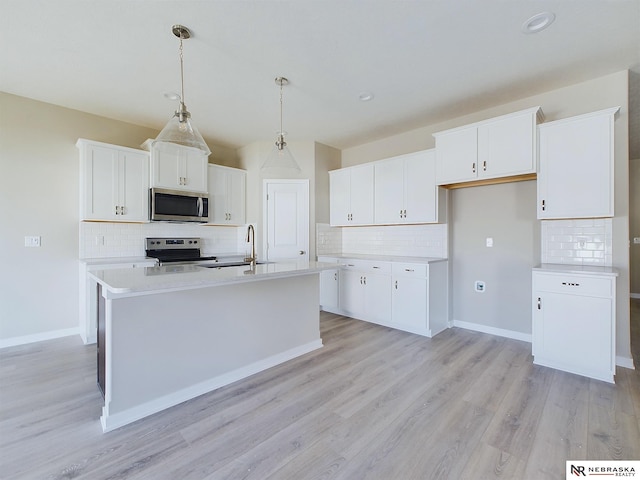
column 500, row 332
column 38, row 337
column 119, row 419
column 635, row 295
column 625, row 362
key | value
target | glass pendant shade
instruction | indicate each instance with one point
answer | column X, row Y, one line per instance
column 280, row 159
column 180, row 131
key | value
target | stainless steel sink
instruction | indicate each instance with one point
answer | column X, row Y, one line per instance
column 230, row 264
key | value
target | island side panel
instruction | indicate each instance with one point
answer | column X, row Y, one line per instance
column 165, row 346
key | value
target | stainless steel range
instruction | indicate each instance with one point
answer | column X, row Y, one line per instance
column 177, row 251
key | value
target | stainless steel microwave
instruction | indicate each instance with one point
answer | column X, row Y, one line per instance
column 178, row 206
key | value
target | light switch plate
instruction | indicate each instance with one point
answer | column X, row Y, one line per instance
column 32, row 241
column 489, row 242
column 636, row 240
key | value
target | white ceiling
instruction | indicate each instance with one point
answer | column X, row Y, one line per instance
column 425, row 61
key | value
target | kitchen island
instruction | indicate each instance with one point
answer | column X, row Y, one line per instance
column 168, row 334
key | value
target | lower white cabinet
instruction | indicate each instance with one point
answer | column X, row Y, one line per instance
column 420, row 297
column 408, row 296
column 364, row 292
column 574, row 323
column 329, row 285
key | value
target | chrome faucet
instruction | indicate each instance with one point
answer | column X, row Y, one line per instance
column 251, row 237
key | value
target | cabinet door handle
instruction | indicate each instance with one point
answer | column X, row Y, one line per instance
column 365, row 280
column 335, row 276
column 543, row 206
column 360, row 280
column 122, row 210
column 484, row 165
column 539, row 303
column 473, row 167
column 570, row 284
column 117, row 213
column 396, row 284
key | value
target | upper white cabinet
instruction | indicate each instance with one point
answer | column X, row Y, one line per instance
column 405, row 189
column 576, row 166
column 227, row 194
column 351, row 195
column 176, row 167
column 114, row 182
column 504, row 146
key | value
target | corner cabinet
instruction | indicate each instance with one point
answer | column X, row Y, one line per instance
column 114, row 182
column 574, row 323
column 576, row 166
column 227, row 195
column 500, row 147
column 406, row 191
column 351, row 196
column 404, row 295
column 177, row 167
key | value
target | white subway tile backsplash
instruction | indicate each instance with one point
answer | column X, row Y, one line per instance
column 102, row 239
column 404, row 240
column 577, row 242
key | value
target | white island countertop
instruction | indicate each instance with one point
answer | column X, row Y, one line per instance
column 125, row 282
column 576, row 269
column 383, row 258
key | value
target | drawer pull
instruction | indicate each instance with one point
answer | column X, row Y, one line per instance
column 350, row 265
column 409, row 270
column 570, row 284
column 376, row 267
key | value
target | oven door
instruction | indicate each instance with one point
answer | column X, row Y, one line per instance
column 177, row 206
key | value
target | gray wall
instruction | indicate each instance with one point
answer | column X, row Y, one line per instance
column 506, row 213
column 634, row 224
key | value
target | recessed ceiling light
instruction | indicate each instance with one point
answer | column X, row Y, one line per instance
column 538, row 22
column 365, row 96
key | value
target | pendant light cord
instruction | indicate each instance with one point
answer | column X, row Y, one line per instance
column 181, row 72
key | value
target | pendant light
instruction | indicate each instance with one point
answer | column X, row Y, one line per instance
column 180, row 130
column 280, row 159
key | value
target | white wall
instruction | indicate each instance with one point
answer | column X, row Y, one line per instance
column 39, row 169
column 478, row 212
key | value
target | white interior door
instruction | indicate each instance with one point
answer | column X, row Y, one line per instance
column 286, row 219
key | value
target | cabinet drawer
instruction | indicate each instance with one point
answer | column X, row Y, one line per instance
column 367, row 266
column 573, row 284
column 410, row 269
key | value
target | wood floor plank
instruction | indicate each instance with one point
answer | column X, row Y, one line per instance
column 372, row 403
column 562, row 432
column 516, row 419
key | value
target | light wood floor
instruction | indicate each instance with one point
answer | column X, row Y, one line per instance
column 373, row 403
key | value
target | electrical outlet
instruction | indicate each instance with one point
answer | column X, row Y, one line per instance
column 489, row 242
column 479, row 286
column 32, row 241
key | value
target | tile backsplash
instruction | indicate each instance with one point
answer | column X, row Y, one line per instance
column 404, row 240
column 577, row 242
column 103, row 239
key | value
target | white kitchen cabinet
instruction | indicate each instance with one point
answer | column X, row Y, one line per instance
column 419, row 297
column 329, row 286
column 114, row 182
column 227, row 195
column 406, row 191
column 177, row 167
column 500, row 147
column 351, row 195
column 365, row 290
column 574, row 323
column 576, row 166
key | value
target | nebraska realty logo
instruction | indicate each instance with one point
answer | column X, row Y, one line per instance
column 581, row 469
